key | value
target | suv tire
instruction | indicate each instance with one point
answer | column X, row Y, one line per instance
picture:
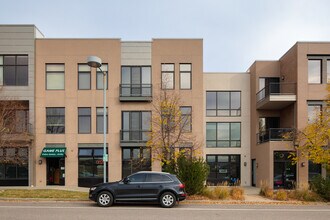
column 167, row 200
column 104, row 199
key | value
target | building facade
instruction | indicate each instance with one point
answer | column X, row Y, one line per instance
column 238, row 118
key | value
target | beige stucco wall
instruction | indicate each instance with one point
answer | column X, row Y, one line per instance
column 233, row 82
column 74, row 51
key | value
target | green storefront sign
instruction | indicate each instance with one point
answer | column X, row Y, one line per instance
column 53, row 152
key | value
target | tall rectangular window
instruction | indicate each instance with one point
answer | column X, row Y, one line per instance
column 223, row 134
column 314, row 71
column 84, row 77
column 14, row 70
column 84, row 120
column 167, row 76
column 328, row 71
column 55, row 78
column 99, row 120
column 223, row 103
column 55, row 120
column 314, row 109
column 186, row 119
column 136, row 125
column 185, row 76
column 99, row 77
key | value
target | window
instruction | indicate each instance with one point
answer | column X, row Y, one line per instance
column 224, row 168
column 90, row 164
column 84, row 77
column 135, row 159
column 167, row 76
column 55, row 76
column 14, row 163
column 314, row 71
column 99, row 76
column 84, row 120
column 138, row 178
column 185, row 76
column 223, row 103
column 328, row 71
column 55, row 120
column 157, row 178
column 135, row 81
column 186, row 119
column 99, row 120
column 223, row 134
column 136, row 126
column 14, row 70
column 314, row 109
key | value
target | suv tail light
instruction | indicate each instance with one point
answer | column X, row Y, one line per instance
column 181, row 186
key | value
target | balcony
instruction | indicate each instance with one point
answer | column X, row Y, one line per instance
column 276, row 96
column 134, row 138
column 135, row 92
column 275, row 134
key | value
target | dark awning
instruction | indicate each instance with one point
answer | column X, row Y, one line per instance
column 53, row 152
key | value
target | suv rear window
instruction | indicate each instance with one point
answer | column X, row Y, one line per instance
column 152, row 178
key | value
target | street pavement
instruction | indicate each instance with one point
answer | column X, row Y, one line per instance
column 17, row 210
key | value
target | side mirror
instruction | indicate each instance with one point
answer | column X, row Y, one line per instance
column 126, row 180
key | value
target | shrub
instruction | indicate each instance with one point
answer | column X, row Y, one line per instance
column 221, row 192
column 237, row 193
column 281, row 195
column 321, row 186
column 265, row 190
column 193, row 172
column 304, row 194
column 208, row 193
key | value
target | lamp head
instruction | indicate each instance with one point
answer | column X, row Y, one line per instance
column 94, row 61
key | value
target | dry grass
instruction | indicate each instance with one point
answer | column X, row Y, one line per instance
column 281, row 195
column 237, row 193
column 43, row 193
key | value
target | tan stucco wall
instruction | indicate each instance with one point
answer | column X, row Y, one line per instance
column 233, row 82
column 74, row 51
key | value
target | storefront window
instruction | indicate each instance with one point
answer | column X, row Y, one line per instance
column 134, row 160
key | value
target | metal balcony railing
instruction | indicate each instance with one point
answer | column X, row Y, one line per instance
column 275, row 134
column 134, row 136
column 135, row 90
column 277, row 89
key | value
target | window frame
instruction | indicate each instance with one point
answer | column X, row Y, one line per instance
column 142, row 152
column 184, row 71
column 166, row 71
column 47, row 132
column 85, row 116
column 85, row 72
column 230, row 140
column 107, row 76
column 16, row 65
column 190, row 119
column 229, row 104
column 107, row 120
column 93, row 157
column 62, row 72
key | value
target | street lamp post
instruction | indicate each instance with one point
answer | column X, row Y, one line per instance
column 96, row 62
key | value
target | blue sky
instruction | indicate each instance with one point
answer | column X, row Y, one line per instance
column 235, row 32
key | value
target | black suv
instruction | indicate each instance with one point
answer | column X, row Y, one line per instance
column 145, row 186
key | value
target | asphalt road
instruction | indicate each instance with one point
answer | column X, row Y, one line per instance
column 12, row 210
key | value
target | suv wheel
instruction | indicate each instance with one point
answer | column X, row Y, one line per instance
column 167, row 200
column 105, row 199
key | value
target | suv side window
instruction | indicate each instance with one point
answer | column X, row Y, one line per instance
column 137, row 178
column 152, row 178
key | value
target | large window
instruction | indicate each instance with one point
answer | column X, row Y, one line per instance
column 99, row 76
column 223, row 103
column 168, row 76
column 14, row 70
column 314, row 109
column 55, row 76
column 84, row 77
column 135, row 159
column 135, row 126
column 135, row 81
column 90, row 165
column 223, row 134
column 185, row 76
column 314, row 71
column 186, row 119
column 55, row 120
column 99, row 120
column 84, row 120
column 14, row 165
column 224, row 168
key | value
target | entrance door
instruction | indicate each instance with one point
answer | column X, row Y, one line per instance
column 254, row 170
column 56, row 171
